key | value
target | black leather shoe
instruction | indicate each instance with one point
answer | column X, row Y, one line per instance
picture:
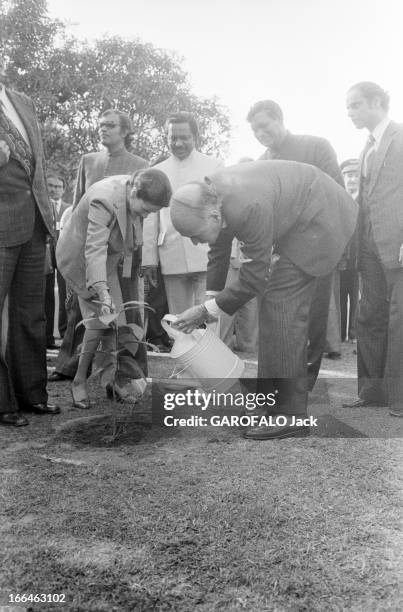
column 360, row 403
column 263, row 432
column 13, row 418
column 57, row 377
column 42, row 408
column 333, row 355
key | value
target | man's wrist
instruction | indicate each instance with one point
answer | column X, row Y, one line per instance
column 212, row 308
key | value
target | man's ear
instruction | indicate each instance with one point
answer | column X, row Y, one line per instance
column 215, row 214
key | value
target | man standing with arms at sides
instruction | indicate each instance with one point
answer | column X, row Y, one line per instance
column 380, row 251
column 267, row 123
column 56, row 186
column 183, row 264
column 25, row 219
column 115, row 128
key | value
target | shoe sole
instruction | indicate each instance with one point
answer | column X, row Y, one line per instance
column 299, row 433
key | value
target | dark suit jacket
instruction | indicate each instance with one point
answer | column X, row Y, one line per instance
column 293, row 207
column 10, row 225
column 96, row 166
column 308, row 150
column 385, row 195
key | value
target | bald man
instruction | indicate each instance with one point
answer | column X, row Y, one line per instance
column 309, row 219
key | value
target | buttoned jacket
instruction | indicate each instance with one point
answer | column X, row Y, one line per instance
column 97, row 235
column 295, row 208
column 25, row 108
column 384, row 195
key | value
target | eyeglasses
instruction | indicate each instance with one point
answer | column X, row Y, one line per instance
column 109, row 125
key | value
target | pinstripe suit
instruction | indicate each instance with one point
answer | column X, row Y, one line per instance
column 318, row 152
column 309, row 219
column 25, row 218
column 380, row 234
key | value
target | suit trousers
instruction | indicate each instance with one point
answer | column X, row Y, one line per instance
column 50, row 307
column 348, row 303
column 184, row 290
column 380, row 331
column 318, row 318
column 333, row 340
column 23, row 374
column 157, row 299
column 283, row 337
column 67, row 359
column 241, row 330
column 62, row 316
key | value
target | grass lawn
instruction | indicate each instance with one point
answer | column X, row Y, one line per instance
column 194, row 519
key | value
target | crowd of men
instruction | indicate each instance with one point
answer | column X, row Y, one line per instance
column 273, row 240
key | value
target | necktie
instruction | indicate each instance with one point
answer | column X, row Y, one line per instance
column 19, row 149
column 369, row 151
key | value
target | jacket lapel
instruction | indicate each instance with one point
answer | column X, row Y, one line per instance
column 120, row 205
column 380, row 155
column 27, row 117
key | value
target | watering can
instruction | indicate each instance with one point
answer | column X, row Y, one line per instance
column 203, row 357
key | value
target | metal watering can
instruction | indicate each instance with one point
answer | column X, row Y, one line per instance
column 203, row 357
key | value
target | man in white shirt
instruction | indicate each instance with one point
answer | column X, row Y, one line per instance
column 183, row 264
column 380, row 251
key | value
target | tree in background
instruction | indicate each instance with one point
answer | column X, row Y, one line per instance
column 72, row 81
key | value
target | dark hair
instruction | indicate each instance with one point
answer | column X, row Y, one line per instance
column 353, row 161
column 124, row 121
column 57, row 177
column 184, row 117
column 267, row 106
column 152, row 186
column 371, row 90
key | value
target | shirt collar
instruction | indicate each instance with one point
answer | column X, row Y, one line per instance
column 117, row 153
column 187, row 159
column 379, row 130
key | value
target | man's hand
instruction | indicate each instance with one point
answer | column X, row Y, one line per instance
column 192, row 318
column 150, row 273
column 107, row 306
column 4, row 153
column 401, row 255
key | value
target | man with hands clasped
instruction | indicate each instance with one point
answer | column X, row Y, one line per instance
column 379, row 324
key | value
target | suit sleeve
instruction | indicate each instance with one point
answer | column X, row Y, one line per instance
column 254, row 230
column 218, row 260
column 100, row 221
column 150, row 239
column 327, row 160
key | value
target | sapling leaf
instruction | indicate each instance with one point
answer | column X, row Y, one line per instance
column 108, row 319
column 108, row 375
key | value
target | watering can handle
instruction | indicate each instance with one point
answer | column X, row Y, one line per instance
column 171, row 331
